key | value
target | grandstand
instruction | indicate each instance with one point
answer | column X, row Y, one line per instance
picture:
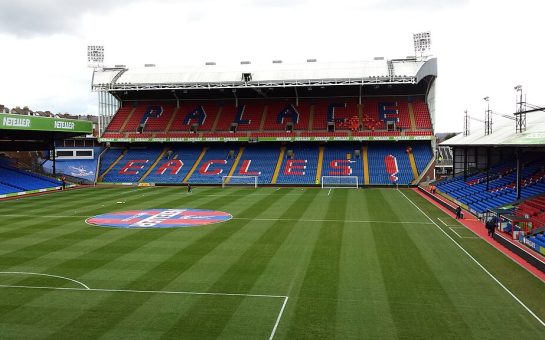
column 366, row 119
column 502, row 173
column 288, row 262
column 20, row 133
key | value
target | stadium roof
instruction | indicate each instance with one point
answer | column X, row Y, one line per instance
column 18, row 132
column 505, row 134
column 395, row 71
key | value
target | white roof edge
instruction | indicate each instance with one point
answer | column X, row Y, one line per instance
column 400, row 69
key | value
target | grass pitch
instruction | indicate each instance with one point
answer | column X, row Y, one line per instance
column 292, row 264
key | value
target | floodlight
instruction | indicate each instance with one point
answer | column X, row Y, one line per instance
column 95, row 55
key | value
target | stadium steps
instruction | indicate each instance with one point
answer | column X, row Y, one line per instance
column 194, row 167
column 360, row 114
column 365, row 165
column 127, row 120
column 431, row 164
column 169, row 124
column 114, row 163
column 159, row 158
column 320, row 163
column 263, row 118
column 411, row 116
column 311, row 118
column 413, row 164
column 235, row 163
column 216, row 121
column 278, row 164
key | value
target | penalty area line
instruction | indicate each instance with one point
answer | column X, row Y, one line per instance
column 278, row 318
column 87, row 289
column 475, row 261
column 173, row 292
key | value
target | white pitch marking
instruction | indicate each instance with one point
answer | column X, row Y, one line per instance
column 87, row 289
column 278, row 318
column 454, row 231
column 248, row 218
column 329, row 192
column 143, row 291
column 451, row 227
column 310, row 220
column 441, row 221
column 48, row 275
column 477, row 262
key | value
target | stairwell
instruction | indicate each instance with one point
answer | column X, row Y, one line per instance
column 194, row 167
column 129, row 116
column 320, row 163
column 114, row 163
column 411, row 116
column 216, row 121
column 278, row 164
column 161, row 155
column 235, row 164
column 413, row 164
column 365, row 165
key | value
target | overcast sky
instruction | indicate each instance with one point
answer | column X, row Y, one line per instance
column 484, row 48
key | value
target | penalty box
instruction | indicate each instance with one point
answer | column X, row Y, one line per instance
column 250, row 315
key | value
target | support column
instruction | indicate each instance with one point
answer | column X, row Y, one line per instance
column 54, row 159
column 517, row 153
column 487, row 167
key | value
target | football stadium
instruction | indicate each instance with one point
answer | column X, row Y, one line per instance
column 279, row 201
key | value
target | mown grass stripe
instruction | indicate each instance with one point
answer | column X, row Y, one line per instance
column 243, row 274
column 165, row 272
column 316, row 303
column 82, row 264
column 408, row 279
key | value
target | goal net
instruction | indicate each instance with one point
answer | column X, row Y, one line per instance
column 239, row 181
column 329, row 182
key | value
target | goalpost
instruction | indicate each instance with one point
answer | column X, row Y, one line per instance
column 339, row 182
column 244, row 181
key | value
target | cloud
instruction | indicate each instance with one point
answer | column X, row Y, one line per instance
column 29, row 18
column 413, row 4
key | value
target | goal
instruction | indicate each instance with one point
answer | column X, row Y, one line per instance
column 239, row 181
column 334, row 182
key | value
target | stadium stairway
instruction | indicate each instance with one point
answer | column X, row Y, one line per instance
column 109, row 159
column 145, row 175
column 195, row 164
column 388, row 162
column 235, row 163
column 174, row 165
column 278, row 164
column 366, row 179
column 413, row 163
column 343, row 160
column 318, row 179
column 216, row 163
column 411, row 116
column 258, row 160
column 300, row 167
column 132, row 165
